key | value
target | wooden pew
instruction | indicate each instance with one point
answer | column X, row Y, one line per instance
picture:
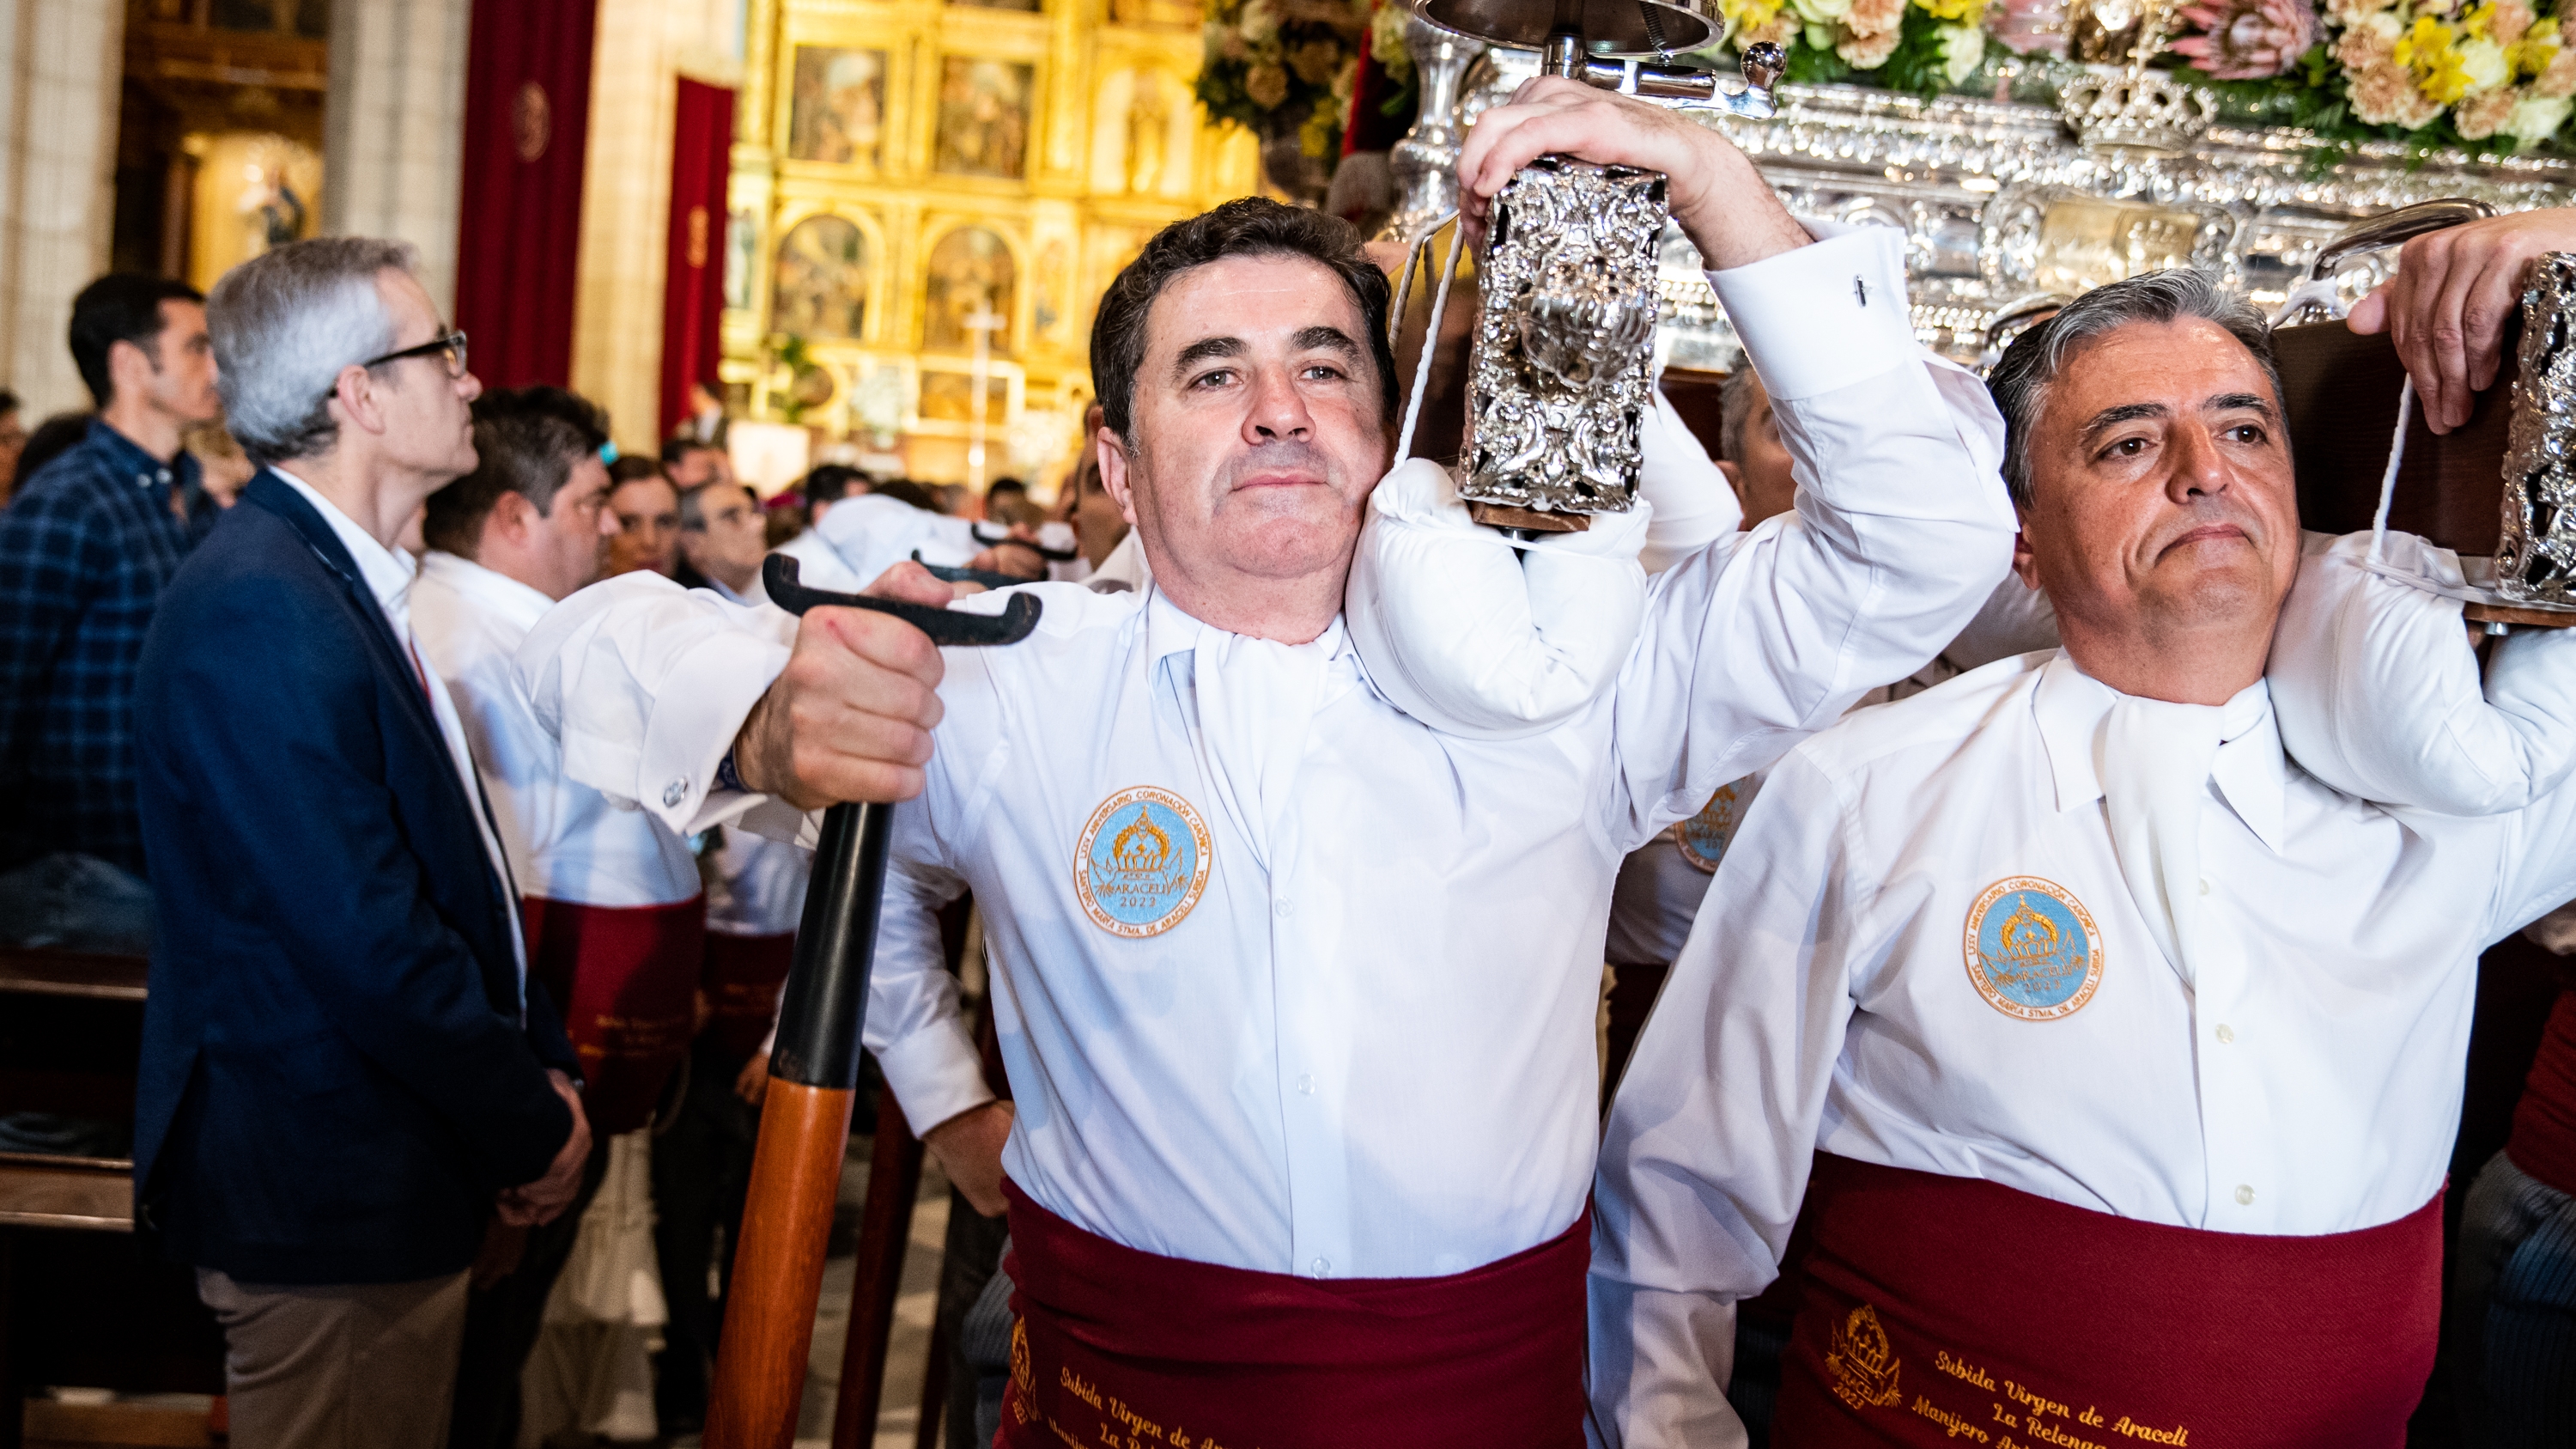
column 81, row 1303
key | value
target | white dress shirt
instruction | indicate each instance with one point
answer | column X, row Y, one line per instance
column 388, row 574
column 2297, row 1072
column 1344, row 1028
column 1662, row 885
column 564, row 840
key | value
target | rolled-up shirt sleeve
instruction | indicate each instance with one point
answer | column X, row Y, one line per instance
column 1901, row 532
column 1707, row 1152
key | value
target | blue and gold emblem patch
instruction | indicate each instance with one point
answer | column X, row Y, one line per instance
column 2032, row 949
column 1142, row 862
column 1704, row 836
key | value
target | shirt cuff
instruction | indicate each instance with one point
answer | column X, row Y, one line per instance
column 697, row 711
column 1824, row 316
column 935, row 1074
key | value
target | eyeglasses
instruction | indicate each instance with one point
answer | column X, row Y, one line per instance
column 451, row 345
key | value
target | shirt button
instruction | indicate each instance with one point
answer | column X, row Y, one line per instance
column 2226, row 1034
column 1323, row 1266
column 1286, row 908
column 2244, row 1195
column 674, row 793
column 1306, row 1086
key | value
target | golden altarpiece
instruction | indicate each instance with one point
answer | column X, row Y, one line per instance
column 926, row 192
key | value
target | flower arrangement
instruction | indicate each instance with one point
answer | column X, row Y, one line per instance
column 2491, row 76
column 2487, row 75
column 1276, row 64
column 1926, row 46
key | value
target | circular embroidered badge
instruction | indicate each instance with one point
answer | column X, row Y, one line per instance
column 2032, row 949
column 1703, row 837
column 1142, row 862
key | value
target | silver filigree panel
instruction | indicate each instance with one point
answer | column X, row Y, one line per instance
column 1560, row 360
column 2536, row 558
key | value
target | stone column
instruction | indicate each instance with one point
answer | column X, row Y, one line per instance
column 642, row 49
column 61, row 65
column 393, row 128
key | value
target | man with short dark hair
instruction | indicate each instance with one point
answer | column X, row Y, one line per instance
column 2116, row 1062
column 609, row 898
column 723, row 538
column 1296, row 990
column 688, row 462
column 86, row 548
column 345, row 1069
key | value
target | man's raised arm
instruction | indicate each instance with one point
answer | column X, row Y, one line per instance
column 1903, row 527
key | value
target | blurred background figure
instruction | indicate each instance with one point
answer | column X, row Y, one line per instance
column 687, row 462
column 706, row 422
column 723, row 538
column 86, row 547
column 647, row 510
column 1082, row 502
column 224, row 469
column 13, row 441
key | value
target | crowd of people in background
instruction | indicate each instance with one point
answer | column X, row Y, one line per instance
column 102, row 508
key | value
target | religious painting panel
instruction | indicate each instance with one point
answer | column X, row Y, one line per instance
column 819, row 287
column 972, row 275
column 1052, row 304
column 837, row 113
column 949, row 397
column 255, row 191
column 1028, row 6
column 1143, row 129
column 984, row 117
column 742, row 255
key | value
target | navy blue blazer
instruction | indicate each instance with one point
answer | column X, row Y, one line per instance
column 337, row 1075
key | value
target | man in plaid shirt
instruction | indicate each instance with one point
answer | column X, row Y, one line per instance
column 85, row 548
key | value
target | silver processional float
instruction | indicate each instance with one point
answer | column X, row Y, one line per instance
column 1559, row 358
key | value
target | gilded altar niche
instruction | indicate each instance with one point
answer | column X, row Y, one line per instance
column 929, row 197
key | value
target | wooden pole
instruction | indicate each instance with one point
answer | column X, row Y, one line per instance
column 813, row 1072
column 885, row 1239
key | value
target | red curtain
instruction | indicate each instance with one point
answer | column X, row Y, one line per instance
column 693, row 287
column 527, row 123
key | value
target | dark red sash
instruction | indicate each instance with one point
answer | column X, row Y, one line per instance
column 742, row 981
column 626, row 979
column 1947, row 1311
column 1115, row 1346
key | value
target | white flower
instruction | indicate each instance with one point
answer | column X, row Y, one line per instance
column 2484, row 63
column 1260, row 21
column 1821, row 12
column 2538, row 118
column 1963, row 49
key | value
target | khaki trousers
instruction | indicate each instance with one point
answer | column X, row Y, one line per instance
column 338, row 1366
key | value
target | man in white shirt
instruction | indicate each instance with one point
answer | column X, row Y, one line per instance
column 2124, row 1053
column 344, row 1070
column 1295, row 992
column 610, row 900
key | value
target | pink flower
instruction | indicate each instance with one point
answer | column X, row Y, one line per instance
column 2507, row 21
column 1873, row 17
column 1866, row 52
column 2481, row 116
column 2385, row 95
column 2248, row 39
column 2027, row 27
column 2559, row 80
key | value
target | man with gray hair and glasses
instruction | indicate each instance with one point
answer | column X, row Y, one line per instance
column 345, row 1068
column 2115, row 1056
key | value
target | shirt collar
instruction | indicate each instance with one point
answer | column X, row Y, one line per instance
column 513, row 601
column 2250, row 771
column 128, row 458
column 1170, row 631
column 388, row 572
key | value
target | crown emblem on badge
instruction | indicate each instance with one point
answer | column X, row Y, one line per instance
column 1142, row 846
column 2029, row 938
column 1863, row 1362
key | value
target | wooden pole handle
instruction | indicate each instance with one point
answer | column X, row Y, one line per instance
column 778, row 1267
